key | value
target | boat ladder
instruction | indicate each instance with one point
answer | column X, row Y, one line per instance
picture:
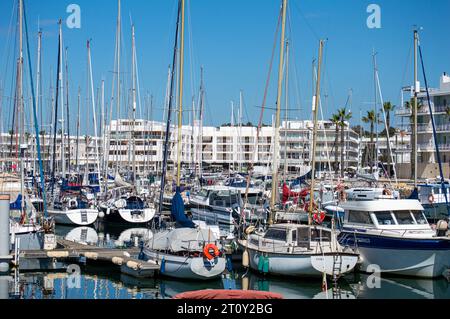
column 337, row 266
column 84, row 218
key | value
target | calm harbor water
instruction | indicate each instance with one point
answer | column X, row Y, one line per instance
column 106, row 282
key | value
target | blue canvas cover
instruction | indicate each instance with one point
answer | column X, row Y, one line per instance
column 177, row 211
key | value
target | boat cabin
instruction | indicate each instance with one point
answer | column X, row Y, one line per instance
column 400, row 216
column 218, row 196
column 291, row 236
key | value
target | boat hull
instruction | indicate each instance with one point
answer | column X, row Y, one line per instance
column 303, row 265
column 427, row 258
column 79, row 217
column 192, row 268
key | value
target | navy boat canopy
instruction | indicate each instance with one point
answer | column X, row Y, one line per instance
column 177, row 211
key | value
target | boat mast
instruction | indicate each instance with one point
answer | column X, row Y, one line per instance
column 20, row 103
column 169, row 116
column 286, row 88
column 316, row 98
column 180, row 94
column 414, row 114
column 118, row 85
column 133, row 75
column 38, row 80
column 93, row 111
column 61, row 83
column 67, row 108
column 201, row 110
column 78, row 129
column 277, row 120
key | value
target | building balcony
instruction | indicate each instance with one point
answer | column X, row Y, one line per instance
column 424, row 110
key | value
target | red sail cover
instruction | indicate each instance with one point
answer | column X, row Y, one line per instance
column 287, row 193
column 228, row 294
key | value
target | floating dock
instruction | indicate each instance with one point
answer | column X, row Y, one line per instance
column 74, row 252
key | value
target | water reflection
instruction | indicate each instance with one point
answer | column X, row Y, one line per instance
column 106, row 282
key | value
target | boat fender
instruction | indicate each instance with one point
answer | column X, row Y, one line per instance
column 249, row 230
column 441, row 228
column 101, row 214
column 117, row 261
column 133, row 265
column 260, row 263
column 229, row 264
column 91, row 255
column 108, row 211
column 266, row 265
column 245, row 283
column 245, row 259
column 211, row 251
column 163, row 266
column 57, row 254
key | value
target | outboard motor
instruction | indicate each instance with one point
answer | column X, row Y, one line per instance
column 441, row 228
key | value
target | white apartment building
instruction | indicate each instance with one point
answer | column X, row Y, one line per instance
column 10, row 149
column 225, row 146
column 426, row 150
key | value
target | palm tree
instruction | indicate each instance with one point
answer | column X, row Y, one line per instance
column 388, row 108
column 335, row 120
column 344, row 117
column 371, row 118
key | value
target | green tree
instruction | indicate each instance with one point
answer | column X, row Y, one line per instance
column 344, row 117
column 388, row 108
column 335, row 120
column 371, row 118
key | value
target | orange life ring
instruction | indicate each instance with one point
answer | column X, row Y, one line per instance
column 431, row 198
column 211, row 251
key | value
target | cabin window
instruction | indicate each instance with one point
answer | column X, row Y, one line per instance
column 320, row 235
column 203, row 193
column 404, row 217
column 294, row 236
column 359, row 217
column 385, row 218
column 276, row 234
column 303, row 237
column 420, row 218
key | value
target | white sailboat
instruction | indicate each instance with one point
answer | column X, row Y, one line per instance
column 187, row 253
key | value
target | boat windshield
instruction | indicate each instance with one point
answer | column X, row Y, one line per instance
column 384, row 218
column 419, row 217
column 202, row 193
column 276, row 234
column 252, row 199
column 404, row 217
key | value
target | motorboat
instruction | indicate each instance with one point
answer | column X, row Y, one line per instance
column 395, row 236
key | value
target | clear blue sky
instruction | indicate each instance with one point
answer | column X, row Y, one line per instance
column 233, row 41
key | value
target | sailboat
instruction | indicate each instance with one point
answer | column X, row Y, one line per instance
column 123, row 204
column 292, row 249
column 71, row 207
column 187, row 251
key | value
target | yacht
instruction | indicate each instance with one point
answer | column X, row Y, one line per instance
column 395, row 236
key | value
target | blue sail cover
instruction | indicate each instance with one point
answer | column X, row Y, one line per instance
column 177, row 211
column 302, row 179
column 17, row 204
column 414, row 194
